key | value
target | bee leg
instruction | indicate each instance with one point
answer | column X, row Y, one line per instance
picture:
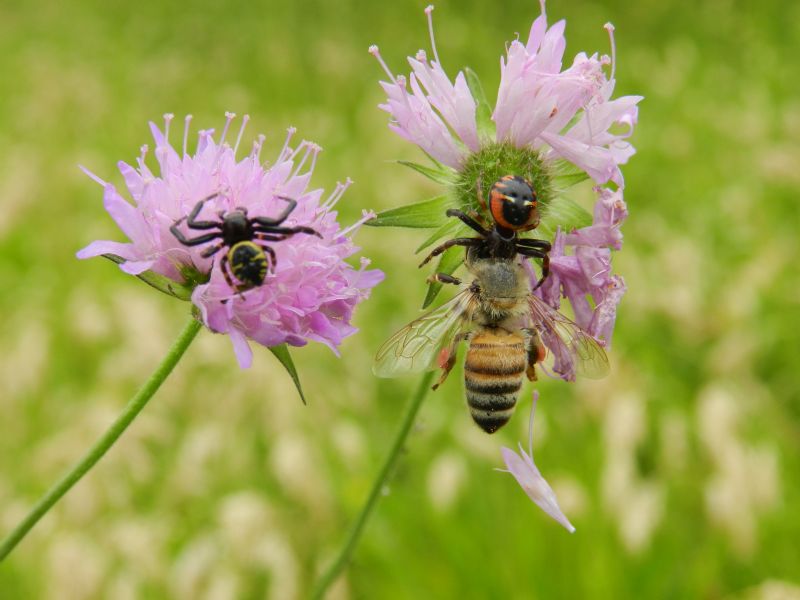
column 449, row 244
column 536, row 353
column 449, row 355
column 443, row 278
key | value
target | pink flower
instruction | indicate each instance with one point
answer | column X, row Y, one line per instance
column 586, row 272
column 565, row 114
column 312, row 291
column 525, row 471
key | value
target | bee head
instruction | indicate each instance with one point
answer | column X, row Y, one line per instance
column 512, row 202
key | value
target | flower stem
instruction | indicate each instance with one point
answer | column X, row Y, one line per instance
column 96, row 452
column 343, row 558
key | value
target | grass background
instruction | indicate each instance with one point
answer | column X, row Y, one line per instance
column 679, row 470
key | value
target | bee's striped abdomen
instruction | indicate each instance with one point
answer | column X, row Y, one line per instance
column 493, row 371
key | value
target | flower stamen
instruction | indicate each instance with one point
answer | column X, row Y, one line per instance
column 186, row 121
column 167, row 120
column 229, row 116
column 245, row 119
column 376, row 53
column 610, row 29
column 428, row 11
column 286, row 153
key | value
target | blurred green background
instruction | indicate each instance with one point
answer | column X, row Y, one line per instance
column 680, row 470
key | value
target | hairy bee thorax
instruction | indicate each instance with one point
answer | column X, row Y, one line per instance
column 502, row 287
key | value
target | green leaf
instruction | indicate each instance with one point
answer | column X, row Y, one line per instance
column 440, row 174
column 159, row 282
column 448, row 262
column 281, row 352
column 425, row 214
column 564, row 213
column 483, row 112
column 565, row 175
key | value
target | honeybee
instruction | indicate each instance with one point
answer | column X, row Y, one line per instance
column 508, row 328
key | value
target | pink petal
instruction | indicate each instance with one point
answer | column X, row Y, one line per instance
column 524, row 470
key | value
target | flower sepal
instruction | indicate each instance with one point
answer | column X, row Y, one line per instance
column 170, row 287
column 487, row 131
column 419, row 215
column 281, row 352
column 563, row 213
column 440, row 173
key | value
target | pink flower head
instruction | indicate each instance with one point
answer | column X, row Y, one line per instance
column 586, row 272
column 561, row 113
column 527, row 474
column 312, row 291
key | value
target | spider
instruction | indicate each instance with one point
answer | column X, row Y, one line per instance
column 248, row 257
column 513, row 207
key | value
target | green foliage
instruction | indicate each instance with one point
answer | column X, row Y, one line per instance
column 679, row 470
column 162, row 284
column 483, row 111
column 425, row 214
column 281, row 352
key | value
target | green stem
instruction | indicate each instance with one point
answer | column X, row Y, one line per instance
column 102, row 445
column 345, row 553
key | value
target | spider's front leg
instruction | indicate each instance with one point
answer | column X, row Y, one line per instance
column 268, row 229
column 537, row 253
column 191, row 220
column 467, row 242
column 467, row 220
column 272, row 221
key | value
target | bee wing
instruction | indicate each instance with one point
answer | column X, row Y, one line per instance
column 572, row 350
column 416, row 346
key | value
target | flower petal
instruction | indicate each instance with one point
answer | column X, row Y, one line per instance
column 524, row 470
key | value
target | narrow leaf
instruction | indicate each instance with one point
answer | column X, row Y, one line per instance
column 425, row 214
column 483, row 112
column 281, row 352
column 159, row 282
column 565, row 175
column 448, row 262
column 449, row 229
column 564, row 213
column 441, row 174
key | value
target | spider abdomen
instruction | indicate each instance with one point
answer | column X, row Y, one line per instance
column 248, row 263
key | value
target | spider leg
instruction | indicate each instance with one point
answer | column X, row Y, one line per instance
column 449, row 244
column 191, row 220
column 260, row 235
column 529, row 243
column 545, row 270
column 467, row 220
column 545, row 262
column 225, row 268
column 290, row 230
column 270, row 221
column 202, row 239
column 211, row 250
column 272, row 261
